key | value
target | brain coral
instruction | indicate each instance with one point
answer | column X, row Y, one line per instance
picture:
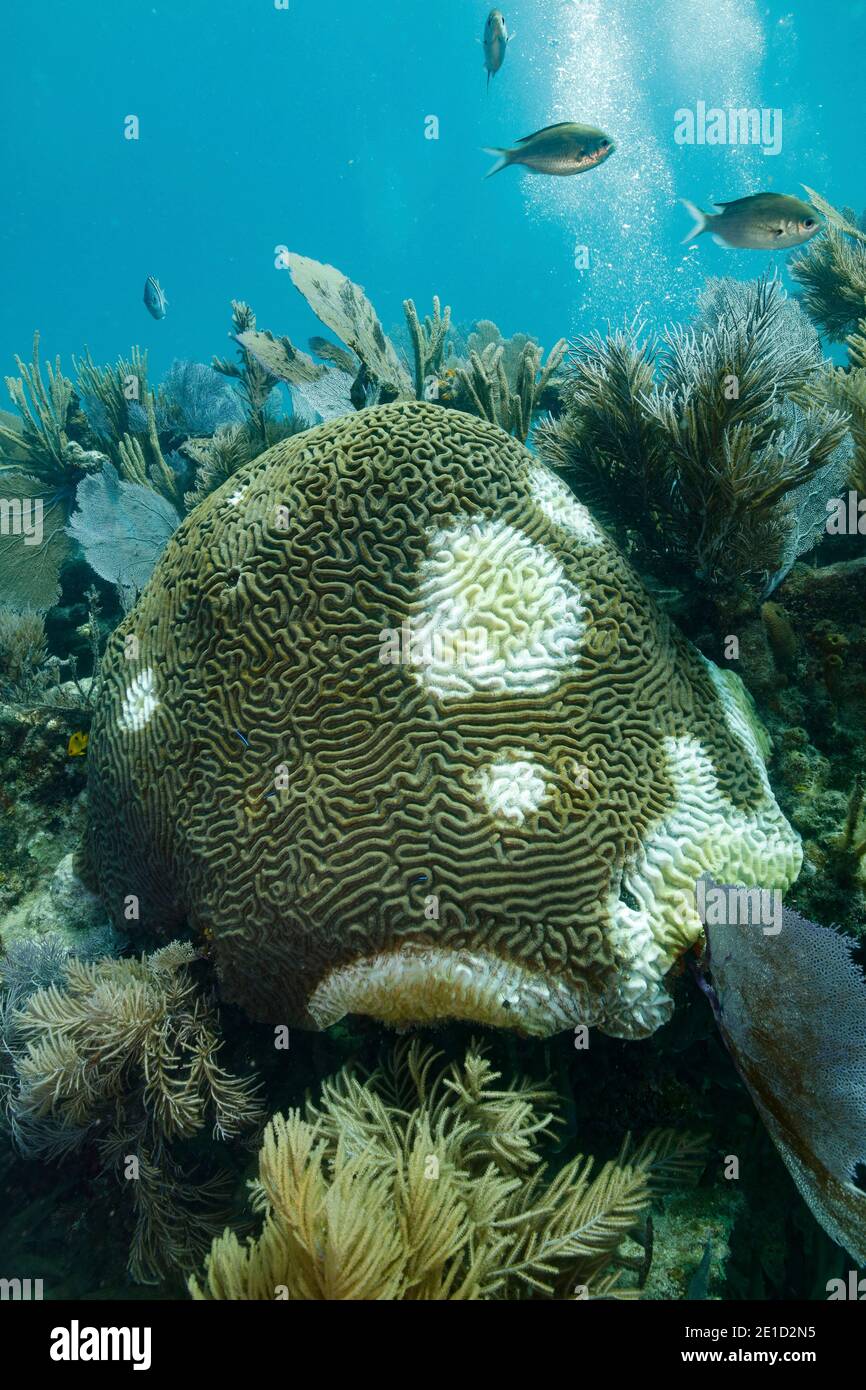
column 396, row 727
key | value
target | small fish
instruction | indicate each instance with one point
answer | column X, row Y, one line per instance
column 700, row 1281
column 154, row 298
column 761, row 222
column 77, row 745
column 558, row 149
column 496, row 41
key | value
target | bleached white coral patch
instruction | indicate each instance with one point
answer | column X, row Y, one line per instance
column 512, row 790
column 703, row 833
column 741, row 719
column 139, row 702
column 236, row 497
column 495, row 612
column 561, row 507
column 426, row 984
column 638, row 1003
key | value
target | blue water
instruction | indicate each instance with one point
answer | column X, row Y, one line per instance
column 305, row 127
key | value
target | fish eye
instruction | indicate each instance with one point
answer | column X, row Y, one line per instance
column 809, row 222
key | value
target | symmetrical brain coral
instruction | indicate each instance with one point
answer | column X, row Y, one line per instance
column 395, row 726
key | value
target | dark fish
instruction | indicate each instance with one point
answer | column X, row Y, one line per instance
column 496, row 41
column 561, row 149
column 761, row 222
column 154, row 298
column 699, row 1283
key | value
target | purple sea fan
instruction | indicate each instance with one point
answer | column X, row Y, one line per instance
column 196, row 400
column 791, row 1008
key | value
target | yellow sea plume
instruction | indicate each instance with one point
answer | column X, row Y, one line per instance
column 425, row 1181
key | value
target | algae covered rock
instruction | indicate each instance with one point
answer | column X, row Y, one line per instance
column 397, row 728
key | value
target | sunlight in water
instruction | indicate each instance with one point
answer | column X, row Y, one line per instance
column 720, row 64
column 628, row 77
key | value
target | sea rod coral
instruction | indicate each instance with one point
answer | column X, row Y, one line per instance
column 404, row 735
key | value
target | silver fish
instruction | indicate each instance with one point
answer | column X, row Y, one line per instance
column 496, row 41
column 560, row 149
column 761, row 222
column 154, row 298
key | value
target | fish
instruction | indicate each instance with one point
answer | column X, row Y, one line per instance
column 560, row 149
column 154, row 298
column 700, row 1281
column 761, row 222
column 496, row 40
column 77, row 745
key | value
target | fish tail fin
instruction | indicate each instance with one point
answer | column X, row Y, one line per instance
column 502, row 162
column 702, row 220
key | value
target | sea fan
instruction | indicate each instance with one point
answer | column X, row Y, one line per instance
column 194, row 400
column 791, row 1007
column 122, row 528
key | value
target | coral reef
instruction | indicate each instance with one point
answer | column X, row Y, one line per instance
column 41, row 463
column 120, row 452
column 400, row 733
column 426, row 1183
column 255, row 383
column 845, row 389
column 536, row 780
column 803, row 659
column 832, row 271
column 429, row 341
column 504, row 382
column 58, row 908
column 697, row 452
column 43, row 785
column 121, row 1055
column 691, row 1242
column 121, row 409
column 509, row 401
column 344, row 308
column 23, row 652
column 195, row 400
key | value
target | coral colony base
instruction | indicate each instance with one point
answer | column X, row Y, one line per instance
column 488, row 687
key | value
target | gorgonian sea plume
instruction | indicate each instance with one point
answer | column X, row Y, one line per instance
column 426, row 1182
column 696, row 448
